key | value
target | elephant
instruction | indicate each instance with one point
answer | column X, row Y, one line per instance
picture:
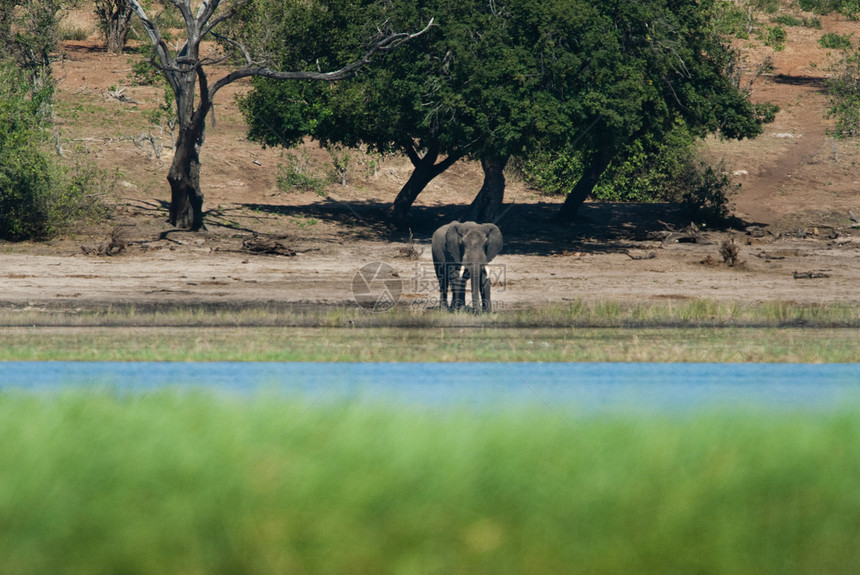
column 461, row 250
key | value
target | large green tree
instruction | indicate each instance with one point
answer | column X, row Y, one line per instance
column 497, row 79
column 491, row 80
column 672, row 69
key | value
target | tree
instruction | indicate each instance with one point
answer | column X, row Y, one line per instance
column 674, row 70
column 490, row 82
column 498, row 79
column 186, row 73
column 115, row 22
column 28, row 35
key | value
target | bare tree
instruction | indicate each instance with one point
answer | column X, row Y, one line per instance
column 185, row 71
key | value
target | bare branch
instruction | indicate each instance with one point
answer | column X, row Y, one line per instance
column 220, row 18
column 385, row 45
column 160, row 56
column 184, row 7
column 207, row 8
column 238, row 45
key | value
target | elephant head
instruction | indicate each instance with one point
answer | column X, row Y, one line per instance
column 461, row 251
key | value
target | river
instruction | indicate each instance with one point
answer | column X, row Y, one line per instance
column 585, row 386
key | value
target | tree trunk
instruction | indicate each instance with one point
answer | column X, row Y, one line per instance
column 425, row 170
column 117, row 27
column 186, row 201
column 487, row 204
column 583, row 188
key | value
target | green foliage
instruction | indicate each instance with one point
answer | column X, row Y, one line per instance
column 768, row 6
column 339, row 164
column 169, row 482
column 38, row 195
column 822, row 7
column 660, row 171
column 29, row 36
column 299, row 172
column 705, row 193
column 844, row 91
column 142, row 72
column 730, row 19
column 493, row 82
column 644, row 172
column 774, row 36
column 789, row 20
column 26, row 172
column 835, row 41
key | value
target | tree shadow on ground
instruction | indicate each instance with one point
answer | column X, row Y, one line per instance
column 603, row 227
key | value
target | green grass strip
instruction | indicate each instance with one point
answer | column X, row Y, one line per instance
column 727, row 344
column 100, row 483
column 579, row 314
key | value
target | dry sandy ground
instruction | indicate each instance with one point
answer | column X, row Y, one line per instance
column 798, row 188
column 213, row 268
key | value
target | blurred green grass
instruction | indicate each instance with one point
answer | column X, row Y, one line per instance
column 105, row 482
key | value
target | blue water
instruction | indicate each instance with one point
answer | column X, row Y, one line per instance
column 588, row 386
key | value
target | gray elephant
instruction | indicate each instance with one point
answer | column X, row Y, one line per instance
column 461, row 251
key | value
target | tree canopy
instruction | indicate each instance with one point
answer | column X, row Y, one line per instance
column 496, row 79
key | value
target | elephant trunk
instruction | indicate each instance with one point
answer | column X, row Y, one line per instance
column 476, row 273
column 476, row 288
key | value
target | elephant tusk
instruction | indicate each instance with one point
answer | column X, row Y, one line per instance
column 461, row 272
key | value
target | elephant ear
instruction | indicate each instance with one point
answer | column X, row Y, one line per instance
column 452, row 241
column 494, row 240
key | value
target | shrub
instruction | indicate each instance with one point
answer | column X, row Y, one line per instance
column 25, row 171
column 835, row 41
column 38, row 195
column 820, row 6
column 768, row 6
column 704, row 193
column 788, row 20
column 731, row 20
column 848, row 7
column 300, row 172
column 844, row 90
column 775, row 36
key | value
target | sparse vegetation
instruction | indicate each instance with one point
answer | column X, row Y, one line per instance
column 766, row 6
column 627, row 331
column 848, row 7
column 774, row 36
column 835, row 41
column 844, row 90
column 298, row 171
column 789, row 20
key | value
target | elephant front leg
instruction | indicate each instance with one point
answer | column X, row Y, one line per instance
column 458, row 287
column 442, row 276
column 486, row 303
